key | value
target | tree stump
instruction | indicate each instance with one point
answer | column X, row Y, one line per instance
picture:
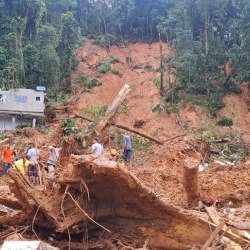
column 191, row 180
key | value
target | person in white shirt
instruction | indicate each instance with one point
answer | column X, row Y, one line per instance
column 97, row 148
column 32, row 155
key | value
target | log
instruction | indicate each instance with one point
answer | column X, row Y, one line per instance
column 213, row 235
column 9, row 201
column 127, row 129
column 139, row 133
column 113, row 107
column 24, row 191
column 191, row 181
column 13, row 218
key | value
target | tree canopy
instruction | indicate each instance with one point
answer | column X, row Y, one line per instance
column 38, row 37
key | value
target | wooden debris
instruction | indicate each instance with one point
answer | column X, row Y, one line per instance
column 213, row 235
column 4, row 142
column 232, row 236
column 242, row 225
column 13, row 218
column 215, row 217
column 122, row 95
column 124, row 128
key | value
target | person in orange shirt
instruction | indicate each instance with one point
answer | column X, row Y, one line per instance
column 7, row 158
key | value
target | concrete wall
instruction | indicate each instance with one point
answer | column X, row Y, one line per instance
column 22, row 100
column 6, row 123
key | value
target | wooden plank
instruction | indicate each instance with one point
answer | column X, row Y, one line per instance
column 232, row 236
column 213, row 215
column 213, row 235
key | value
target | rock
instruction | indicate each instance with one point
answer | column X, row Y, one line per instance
column 113, row 151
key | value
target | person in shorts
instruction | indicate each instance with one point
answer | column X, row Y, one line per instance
column 7, row 158
column 53, row 157
column 32, row 171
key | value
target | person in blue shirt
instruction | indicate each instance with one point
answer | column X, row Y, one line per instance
column 127, row 147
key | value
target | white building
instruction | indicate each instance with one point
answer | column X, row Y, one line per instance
column 20, row 107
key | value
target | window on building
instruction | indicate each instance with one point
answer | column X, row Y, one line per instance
column 21, row 98
column 38, row 98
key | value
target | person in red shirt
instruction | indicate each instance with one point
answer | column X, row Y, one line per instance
column 7, row 158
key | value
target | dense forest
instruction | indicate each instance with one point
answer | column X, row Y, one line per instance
column 38, row 38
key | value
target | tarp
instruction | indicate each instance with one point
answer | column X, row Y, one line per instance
column 26, row 245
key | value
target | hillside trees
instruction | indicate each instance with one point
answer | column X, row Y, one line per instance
column 69, row 38
column 205, row 35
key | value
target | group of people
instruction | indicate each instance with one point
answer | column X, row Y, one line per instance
column 97, row 148
column 27, row 163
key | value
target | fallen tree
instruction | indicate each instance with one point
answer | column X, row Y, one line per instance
column 125, row 128
column 113, row 108
column 109, row 199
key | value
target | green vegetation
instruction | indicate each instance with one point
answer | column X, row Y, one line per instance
column 166, row 108
column 96, row 110
column 116, row 72
column 157, row 82
column 88, row 82
column 68, row 126
column 2, row 136
column 104, row 67
column 209, row 132
column 106, row 40
column 114, row 59
column 138, row 143
column 225, row 122
column 39, row 37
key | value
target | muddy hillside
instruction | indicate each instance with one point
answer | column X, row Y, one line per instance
column 186, row 187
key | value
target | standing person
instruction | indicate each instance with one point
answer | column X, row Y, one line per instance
column 97, row 148
column 33, row 155
column 53, row 157
column 22, row 165
column 127, row 147
column 7, row 158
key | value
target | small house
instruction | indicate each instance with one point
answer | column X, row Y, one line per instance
column 20, row 107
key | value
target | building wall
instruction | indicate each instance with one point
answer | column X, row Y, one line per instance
column 22, row 100
column 6, row 123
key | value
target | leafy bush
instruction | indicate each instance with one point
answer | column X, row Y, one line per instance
column 114, row 59
column 116, row 72
column 225, row 122
column 105, row 40
column 214, row 103
column 2, row 136
column 157, row 82
column 169, row 95
column 68, row 126
column 230, row 87
column 138, row 143
column 88, row 82
column 104, row 68
column 209, row 132
column 163, row 107
column 96, row 110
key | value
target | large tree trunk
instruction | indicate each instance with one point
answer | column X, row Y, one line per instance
column 113, row 107
column 191, row 181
